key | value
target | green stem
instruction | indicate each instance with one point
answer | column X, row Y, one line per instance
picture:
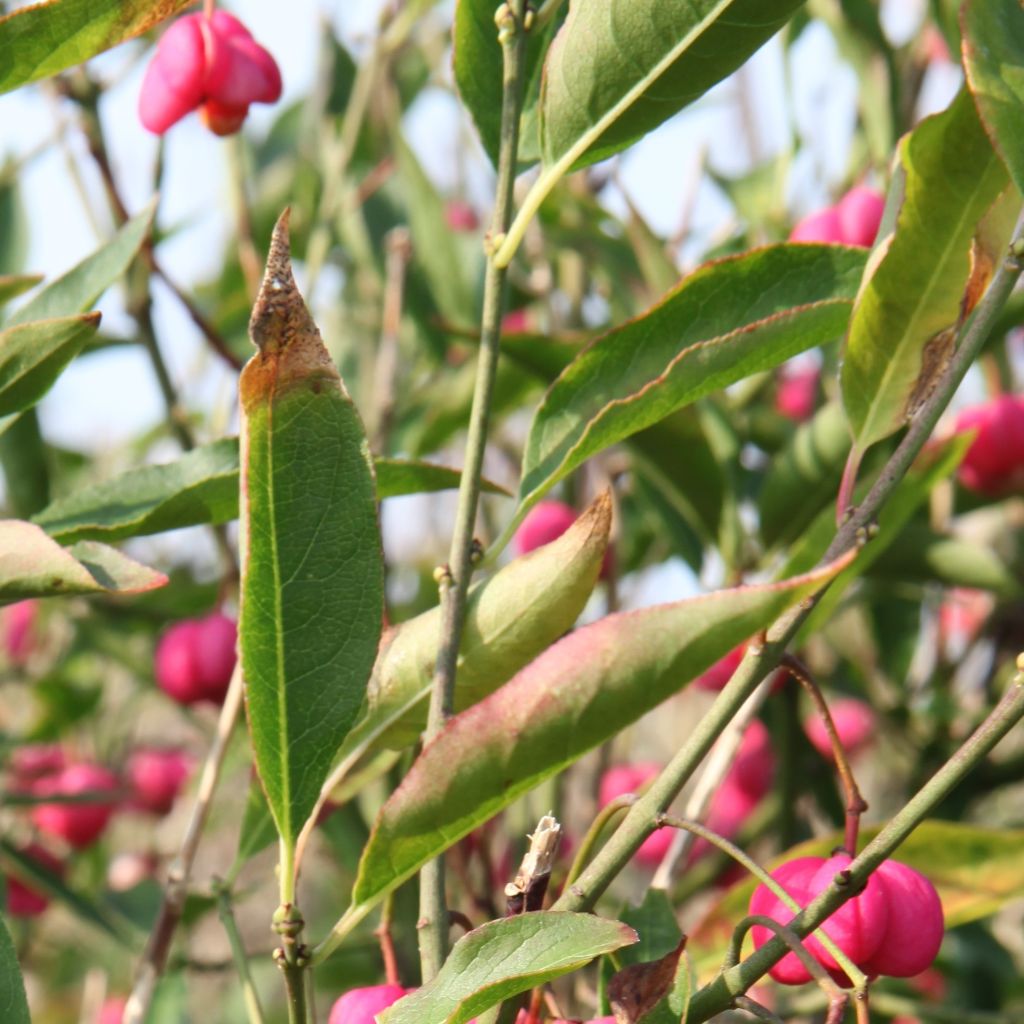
column 761, row 659
column 854, row 973
column 293, row 959
column 719, row 994
column 250, row 996
column 511, row 20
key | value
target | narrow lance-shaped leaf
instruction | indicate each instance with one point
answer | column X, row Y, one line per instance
column 619, row 68
column 34, row 565
column 576, row 695
column 33, row 356
column 502, row 958
column 201, row 487
column 728, row 319
column 902, row 327
column 312, row 575
column 993, row 49
column 13, row 1002
column 44, row 38
column 77, row 290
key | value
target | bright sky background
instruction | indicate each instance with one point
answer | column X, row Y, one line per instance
column 108, row 397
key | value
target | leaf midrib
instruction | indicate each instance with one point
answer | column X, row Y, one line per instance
column 282, row 703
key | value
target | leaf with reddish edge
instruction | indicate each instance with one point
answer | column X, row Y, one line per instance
column 33, row 565
column 728, row 319
column 312, row 569
column 993, row 51
column 573, row 697
column 44, row 38
column 502, row 958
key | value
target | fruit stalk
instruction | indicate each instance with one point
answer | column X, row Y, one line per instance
column 512, row 25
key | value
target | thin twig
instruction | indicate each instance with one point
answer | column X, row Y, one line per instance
column 512, row 31
column 155, row 957
column 399, row 251
column 856, row 805
column 387, row 944
column 226, row 913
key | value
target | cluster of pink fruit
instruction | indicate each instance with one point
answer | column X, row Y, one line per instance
column 893, row 927
column 194, row 662
column 994, row 463
column 854, row 220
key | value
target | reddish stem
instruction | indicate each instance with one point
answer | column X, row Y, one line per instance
column 855, row 803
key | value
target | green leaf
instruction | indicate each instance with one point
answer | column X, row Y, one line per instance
column 725, row 321
column 994, row 62
column 502, row 958
column 574, row 696
column 26, row 463
column 13, row 220
column 33, row 356
column 78, row 289
column 13, row 1002
column 13, row 285
column 619, row 68
column 52, row 885
column 200, row 487
column 976, row 871
column 912, row 297
column 312, row 576
column 510, row 618
column 34, row 565
column 803, row 478
column 44, row 38
column 413, row 476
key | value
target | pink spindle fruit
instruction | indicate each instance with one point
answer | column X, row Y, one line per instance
column 18, row 629
column 460, row 216
column 796, row 391
column 860, row 214
column 155, row 777
column 994, row 463
column 80, row 825
column 22, row 899
column 212, row 64
column 855, row 724
column 914, row 931
column 857, row 928
column 195, row 658
column 360, row 1005
column 113, row 1010
column 820, row 226
column 630, row 778
column 34, row 761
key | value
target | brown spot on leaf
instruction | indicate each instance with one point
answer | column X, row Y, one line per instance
column 637, row 989
column 935, row 358
column 291, row 351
